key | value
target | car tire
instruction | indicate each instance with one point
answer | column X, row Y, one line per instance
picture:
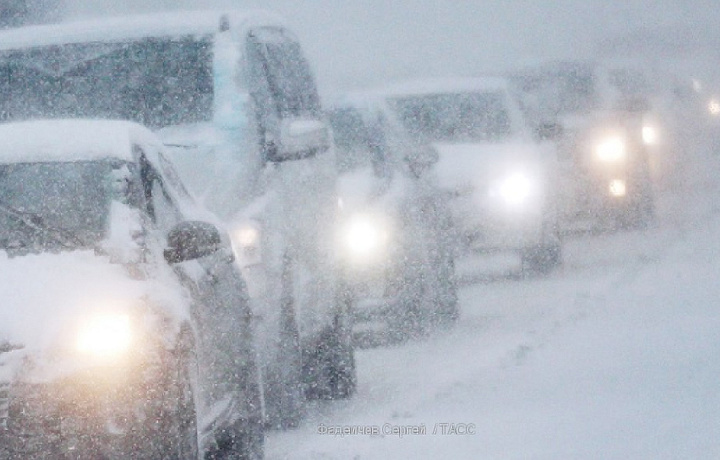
column 447, row 309
column 541, row 260
column 244, row 441
column 547, row 255
column 641, row 210
column 329, row 368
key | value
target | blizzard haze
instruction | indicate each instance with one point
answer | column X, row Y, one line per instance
column 367, row 42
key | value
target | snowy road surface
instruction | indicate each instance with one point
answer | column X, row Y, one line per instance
column 614, row 356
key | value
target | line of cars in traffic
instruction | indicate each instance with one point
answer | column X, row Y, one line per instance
column 167, row 336
column 136, row 323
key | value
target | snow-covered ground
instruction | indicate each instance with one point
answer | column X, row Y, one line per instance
column 614, row 356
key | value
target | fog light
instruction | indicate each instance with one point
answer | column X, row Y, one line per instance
column 649, row 135
column 617, row 188
column 714, row 107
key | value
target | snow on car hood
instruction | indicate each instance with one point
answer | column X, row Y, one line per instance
column 46, row 295
column 469, row 165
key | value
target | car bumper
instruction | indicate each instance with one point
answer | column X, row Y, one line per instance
column 374, row 291
column 83, row 414
column 494, row 231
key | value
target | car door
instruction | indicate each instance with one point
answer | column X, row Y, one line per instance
column 229, row 382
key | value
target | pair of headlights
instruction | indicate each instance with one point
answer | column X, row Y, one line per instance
column 614, row 148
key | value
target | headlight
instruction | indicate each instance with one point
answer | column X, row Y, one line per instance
column 649, row 135
column 617, row 188
column 246, row 243
column 611, row 150
column 105, row 335
column 515, row 189
column 364, row 235
column 246, row 236
column 714, row 107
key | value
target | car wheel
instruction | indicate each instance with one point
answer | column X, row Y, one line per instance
column 406, row 319
column 447, row 309
column 541, row 260
column 329, row 369
column 546, row 256
column 245, row 440
column 641, row 210
column 284, row 391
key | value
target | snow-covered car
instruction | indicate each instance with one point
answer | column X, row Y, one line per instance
column 233, row 98
column 395, row 236
column 125, row 326
column 604, row 128
column 500, row 180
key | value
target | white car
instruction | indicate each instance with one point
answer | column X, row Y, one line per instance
column 234, row 99
column 125, row 326
column 394, row 237
column 500, row 180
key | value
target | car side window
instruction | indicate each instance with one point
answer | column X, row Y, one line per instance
column 160, row 206
column 267, row 114
column 281, row 84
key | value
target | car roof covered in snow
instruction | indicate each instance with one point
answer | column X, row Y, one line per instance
column 71, row 140
column 123, row 28
column 369, row 99
column 445, row 85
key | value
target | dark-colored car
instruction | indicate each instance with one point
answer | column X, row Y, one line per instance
column 124, row 322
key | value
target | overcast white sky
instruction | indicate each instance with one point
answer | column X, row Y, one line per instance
column 355, row 43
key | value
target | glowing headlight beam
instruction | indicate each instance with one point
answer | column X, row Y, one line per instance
column 649, row 135
column 105, row 335
column 364, row 236
column 714, row 107
column 611, row 150
column 246, row 236
column 515, row 189
column 617, row 188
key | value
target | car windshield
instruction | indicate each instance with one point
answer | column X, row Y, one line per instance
column 459, row 117
column 55, row 205
column 155, row 81
column 570, row 89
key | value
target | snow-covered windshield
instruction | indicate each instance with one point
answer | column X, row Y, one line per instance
column 455, row 117
column 55, row 205
column 572, row 90
column 154, row 81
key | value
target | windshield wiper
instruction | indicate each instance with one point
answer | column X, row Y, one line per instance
column 35, row 222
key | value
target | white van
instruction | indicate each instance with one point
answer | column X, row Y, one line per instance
column 499, row 180
column 233, row 97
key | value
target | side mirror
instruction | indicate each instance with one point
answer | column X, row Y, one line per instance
column 301, row 138
column 191, row 240
column 421, row 158
column 549, row 131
